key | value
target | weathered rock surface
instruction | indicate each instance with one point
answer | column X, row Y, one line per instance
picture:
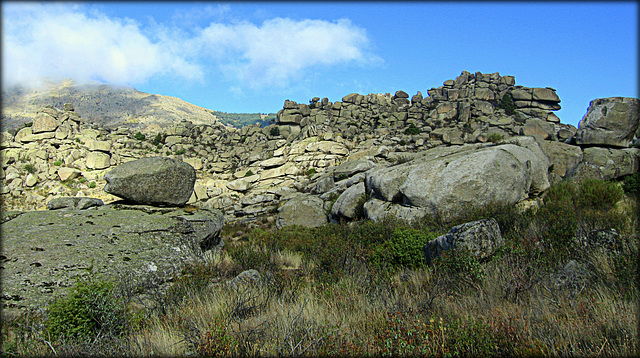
column 349, row 203
column 152, row 181
column 45, row 251
column 304, row 210
column 481, row 238
column 444, row 180
column 74, row 202
column 611, row 122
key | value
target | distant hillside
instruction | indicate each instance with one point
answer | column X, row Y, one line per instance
column 239, row 120
column 113, row 106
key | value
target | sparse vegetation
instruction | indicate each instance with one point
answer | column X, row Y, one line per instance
column 412, row 129
column 363, row 289
column 274, row 131
column 29, row 168
column 139, row 136
column 495, row 138
column 180, row 151
column 92, row 185
column 57, row 163
column 507, row 104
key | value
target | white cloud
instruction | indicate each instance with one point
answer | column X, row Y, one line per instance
column 282, row 49
column 72, row 41
column 61, row 41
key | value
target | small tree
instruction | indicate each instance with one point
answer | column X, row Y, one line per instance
column 507, row 104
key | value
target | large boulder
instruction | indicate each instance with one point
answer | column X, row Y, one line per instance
column 606, row 164
column 481, row 238
column 611, row 122
column 305, row 210
column 349, row 203
column 444, row 180
column 152, row 181
column 45, row 252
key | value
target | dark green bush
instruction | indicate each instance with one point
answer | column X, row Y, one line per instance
column 159, row 139
column 597, row 194
column 412, row 129
column 631, row 184
column 403, row 248
column 90, row 309
column 274, row 131
column 495, row 138
column 248, row 173
column 460, row 264
column 507, row 104
column 139, row 136
column 180, row 151
column 29, row 168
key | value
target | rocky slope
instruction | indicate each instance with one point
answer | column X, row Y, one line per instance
column 477, row 139
column 323, row 148
column 107, row 105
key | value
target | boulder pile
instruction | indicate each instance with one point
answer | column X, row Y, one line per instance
column 467, row 129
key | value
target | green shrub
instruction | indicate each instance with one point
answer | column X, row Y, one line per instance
column 311, row 172
column 159, row 140
column 274, row 131
column 82, row 180
column 180, row 151
column 248, row 173
column 412, row 129
column 507, row 104
column 57, row 163
column 92, row 185
column 29, row 168
column 139, row 136
column 631, row 184
column 404, row 248
column 28, row 124
column 598, row 194
column 495, row 138
column 90, row 309
column 460, row 264
column 402, row 142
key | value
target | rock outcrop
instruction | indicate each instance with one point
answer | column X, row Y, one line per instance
column 152, row 181
column 321, row 148
column 610, row 122
column 481, row 238
column 44, row 252
column 445, row 179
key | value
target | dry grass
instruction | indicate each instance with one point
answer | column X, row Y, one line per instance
column 524, row 301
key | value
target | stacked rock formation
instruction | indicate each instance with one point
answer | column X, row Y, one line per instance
column 324, row 148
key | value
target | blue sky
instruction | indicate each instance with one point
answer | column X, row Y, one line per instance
column 251, row 56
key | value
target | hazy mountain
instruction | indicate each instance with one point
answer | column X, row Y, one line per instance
column 109, row 105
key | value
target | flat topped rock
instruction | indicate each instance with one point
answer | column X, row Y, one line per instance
column 152, row 181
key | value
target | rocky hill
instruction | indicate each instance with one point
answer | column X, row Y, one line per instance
column 107, row 105
column 477, row 139
column 325, row 147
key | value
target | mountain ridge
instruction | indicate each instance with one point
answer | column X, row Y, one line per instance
column 112, row 106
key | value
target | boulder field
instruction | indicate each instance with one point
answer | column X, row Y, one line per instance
column 146, row 203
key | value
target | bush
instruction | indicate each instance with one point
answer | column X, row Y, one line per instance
column 92, row 185
column 180, row 151
column 495, row 138
column 412, row 129
column 274, row 131
column 28, row 124
column 631, row 184
column 29, row 168
column 248, row 173
column 139, row 136
column 404, row 248
column 90, row 309
column 507, row 104
column 598, row 194
column 159, row 140
column 57, row 163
